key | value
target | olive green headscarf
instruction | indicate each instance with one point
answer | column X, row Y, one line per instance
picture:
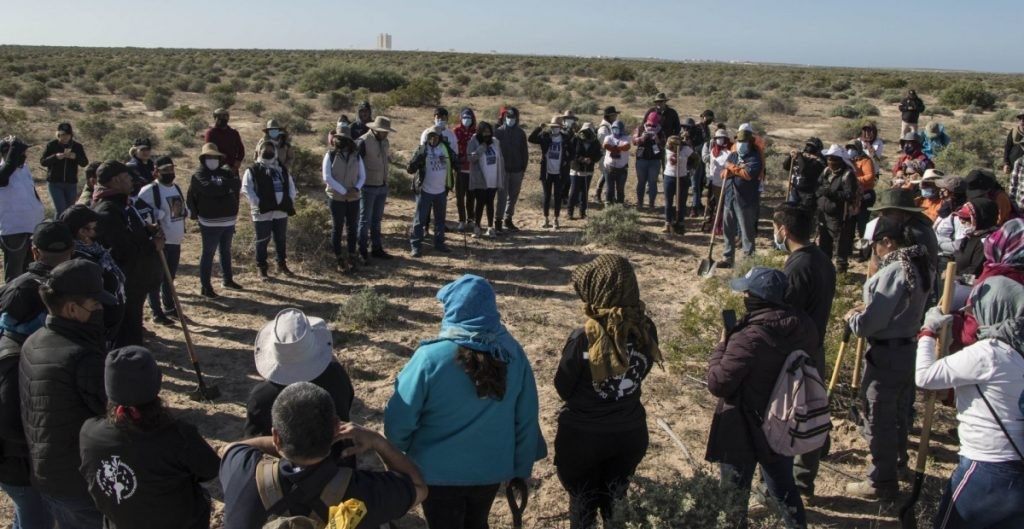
column 611, row 301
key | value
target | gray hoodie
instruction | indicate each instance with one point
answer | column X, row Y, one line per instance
column 889, row 311
column 514, row 148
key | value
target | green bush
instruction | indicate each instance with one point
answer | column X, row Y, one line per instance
column 340, row 75
column 74, row 106
column 222, row 95
column 116, row 143
column 302, row 110
column 337, row 100
column 422, row 92
column 365, row 309
column 784, row 105
column 9, row 87
column 614, row 225
column 305, row 166
column 32, row 94
column 180, row 135
column 490, row 88
column 157, row 98
column 97, row 106
column 95, row 128
column 133, row 91
column 964, row 94
column 700, row 501
column 854, row 110
column 939, row 111
column 14, row 121
column 254, row 106
column 309, row 233
column 618, row 71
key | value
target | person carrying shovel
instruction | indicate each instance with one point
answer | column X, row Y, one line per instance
column 895, row 298
column 741, row 187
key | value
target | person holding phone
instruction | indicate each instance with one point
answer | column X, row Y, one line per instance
column 62, row 158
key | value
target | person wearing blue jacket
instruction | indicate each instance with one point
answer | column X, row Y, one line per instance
column 934, row 140
column 465, row 409
column 742, row 188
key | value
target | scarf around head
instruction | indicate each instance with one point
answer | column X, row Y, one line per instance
column 471, row 319
column 905, row 258
column 611, row 301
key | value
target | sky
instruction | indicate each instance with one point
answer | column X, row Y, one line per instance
column 983, row 35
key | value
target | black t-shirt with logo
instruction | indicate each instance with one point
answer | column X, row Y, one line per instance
column 386, row 495
column 148, row 479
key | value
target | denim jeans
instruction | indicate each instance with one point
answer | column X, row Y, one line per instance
column 670, row 198
column 16, row 254
column 508, row 196
column 74, row 513
column 172, row 252
column 647, row 178
column 697, row 185
column 344, row 217
column 63, row 196
column 740, row 221
column 265, row 229
column 459, row 507
column 424, row 203
column 215, row 239
column 371, row 214
column 778, row 478
column 30, row 510
column 983, row 495
column 578, row 193
column 615, row 193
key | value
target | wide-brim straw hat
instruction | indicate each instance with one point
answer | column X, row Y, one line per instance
column 381, row 124
column 271, row 125
column 293, row 348
column 930, row 175
column 660, row 97
column 210, row 149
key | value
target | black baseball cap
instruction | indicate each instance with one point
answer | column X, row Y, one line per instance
column 78, row 216
column 65, row 128
column 440, row 111
column 52, row 237
column 80, row 277
column 109, row 169
column 164, row 161
column 142, row 143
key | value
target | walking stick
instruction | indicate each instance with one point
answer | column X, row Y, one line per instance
column 908, row 520
column 204, row 392
column 855, row 384
column 792, row 175
column 839, row 358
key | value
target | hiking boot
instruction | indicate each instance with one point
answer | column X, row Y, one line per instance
column 345, row 265
column 415, row 252
column 461, row 226
column 556, row 223
column 381, row 254
column 444, row 248
column 869, row 491
column 263, row 272
column 498, row 229
column 207, row 292
column 546, row 224
column 282, row 268
column 491, row 233
column 232, row 285
column 162, row 320
column 680, row 228
column 476, row 232
column 667, row 228
column 726, row 263
column 497, row 226
column 511, row 227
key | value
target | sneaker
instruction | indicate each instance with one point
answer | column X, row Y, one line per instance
column 207, row 292
column 381, row 254
column 444, row 248
column 232, row 285
column 461, row 226
column 415, row 252
column 511, row 227
column 726, row 263
column 680, row 228
column 571, row 216
column 546, row 223
column 162, row 320
column 491, row 233
column 476, row 232
column 282, row 268
column 869, row 491
column 556, row 223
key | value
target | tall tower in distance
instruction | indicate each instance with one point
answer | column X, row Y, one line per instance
column 384, row 41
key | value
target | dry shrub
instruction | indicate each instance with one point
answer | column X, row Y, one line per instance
column 614, row 225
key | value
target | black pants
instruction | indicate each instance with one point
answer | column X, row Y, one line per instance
column 130, row 332
column 552, row 193
column 459, row 507
column 595, row 470
column 484, row 199
column 836, row 234
column 463, row 197
column 580, row 188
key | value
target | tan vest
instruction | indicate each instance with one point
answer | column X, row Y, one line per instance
column 375, row 160
column 345, row 173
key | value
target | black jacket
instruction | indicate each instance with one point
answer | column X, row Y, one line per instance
column 141, row 173
column 214, row 194
column 614, row 406
column 911, row 109
column 670, row 124
column 543, row 138
column 514, row 148
column 122, row 231
column 159, row 473
column 742, row 372
column 805, row 179
column 585, row 149
column 264, row 184
column 63, row 171
column 14, row 465
column 836, row 191
column 812, row 288
column 61, row 385
column 1014, row 147
column 20, row 299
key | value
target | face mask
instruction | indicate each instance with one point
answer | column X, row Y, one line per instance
column 928, row 192
column 166, row 178
column 720, row 141
column 779, row 240
column 616, row 132
column 511, row 122
column 568, row 123
column 556, row 135
column 908, row 149
column 467, row 122
column 268, row 156
column 742, row 148
column 211, row 164
column 968, row 229
column 851, row 153
column 274, row 134
column 440, row 123
column 95, row 317
column 486, row 138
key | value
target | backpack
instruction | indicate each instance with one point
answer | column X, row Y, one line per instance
column 797, row 419
column 275, row 502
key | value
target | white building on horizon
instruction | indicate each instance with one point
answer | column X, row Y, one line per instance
column 384, row 41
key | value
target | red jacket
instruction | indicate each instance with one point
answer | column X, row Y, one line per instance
column 229, row 143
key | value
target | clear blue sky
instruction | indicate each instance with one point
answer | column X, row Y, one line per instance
column 982, row 35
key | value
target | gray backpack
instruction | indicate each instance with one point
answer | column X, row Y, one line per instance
column 797, row 420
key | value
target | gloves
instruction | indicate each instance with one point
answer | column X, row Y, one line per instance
column 934, row 320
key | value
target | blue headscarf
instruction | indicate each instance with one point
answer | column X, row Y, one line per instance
column 471, row 319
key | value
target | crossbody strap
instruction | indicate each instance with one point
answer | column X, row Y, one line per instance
column 1000, row 422
column 268, row 484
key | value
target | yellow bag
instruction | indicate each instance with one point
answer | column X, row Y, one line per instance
column 346, row 515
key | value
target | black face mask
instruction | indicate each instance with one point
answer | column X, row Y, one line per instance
column 166, row 178
column 487, row 138
column 268, row 156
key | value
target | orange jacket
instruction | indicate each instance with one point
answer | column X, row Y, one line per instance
column 931, row 206
column 759, row 145
column 865, row 171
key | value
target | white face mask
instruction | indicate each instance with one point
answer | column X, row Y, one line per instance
column 467, row 122
column 720, row 141
column 211, row 163
column 441, row 124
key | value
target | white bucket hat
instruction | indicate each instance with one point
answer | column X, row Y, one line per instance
column 930, row 175
column 838, row 152
column 293, row 348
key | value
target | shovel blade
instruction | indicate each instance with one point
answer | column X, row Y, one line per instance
column 205, row 394
column 707, row 268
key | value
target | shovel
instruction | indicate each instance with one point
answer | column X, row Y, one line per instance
column 839, row 359
column 908, row 520
column 855, row 383
column 517, row 486
column 707, row 265
column 203, row 392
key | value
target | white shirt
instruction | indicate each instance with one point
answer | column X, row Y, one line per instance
column 622, row 160
column 249, row 188
column 554, row 156
column 170, row 213
column 436, row 170
column 948, row 232
column 20, row 207
column 489, row 166
column 448, row 136
column 999, row 371
column 677, row 162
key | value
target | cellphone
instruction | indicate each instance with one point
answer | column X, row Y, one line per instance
column 729, row 319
